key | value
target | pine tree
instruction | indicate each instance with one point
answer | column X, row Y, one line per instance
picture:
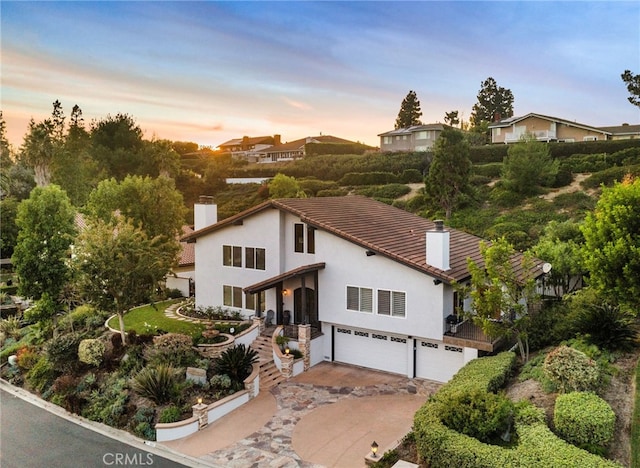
column 410, row 112
column 494, row 103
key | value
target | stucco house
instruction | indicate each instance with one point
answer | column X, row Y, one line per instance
column 623, row 132
column 415, row 138
column 544, row 128
column 181, row 276
column 373, row 282
column 249, row 148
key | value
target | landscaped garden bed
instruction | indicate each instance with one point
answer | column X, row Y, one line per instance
column 156, row 377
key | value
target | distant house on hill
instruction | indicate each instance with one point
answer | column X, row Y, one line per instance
column 623, row 132
column 544, row 128
column 248, row 148
column 297, row 149
column 415, row 138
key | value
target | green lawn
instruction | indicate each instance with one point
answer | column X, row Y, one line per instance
column 150, row 318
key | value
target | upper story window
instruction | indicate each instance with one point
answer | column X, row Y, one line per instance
column 360, row 299
column 391, row 303
column 299, row 238
column 254, row 258
column 232, row 256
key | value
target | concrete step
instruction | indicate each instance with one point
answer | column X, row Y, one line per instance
column 270, row 376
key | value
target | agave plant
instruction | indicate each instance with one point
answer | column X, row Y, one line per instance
column 159, row 384
column 236, row 362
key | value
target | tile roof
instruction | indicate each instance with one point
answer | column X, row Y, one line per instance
column 414, row 128
column 511, row 120
column 381, row 228
column 187, row 251
column 622, row 129
column 299, row 144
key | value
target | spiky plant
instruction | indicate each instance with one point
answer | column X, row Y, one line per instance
column 159, row 384
column 236, row 362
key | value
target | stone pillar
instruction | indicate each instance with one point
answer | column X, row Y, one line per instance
column 260, row 322
column 200, row 412
column 304, row 343
column 287, row 366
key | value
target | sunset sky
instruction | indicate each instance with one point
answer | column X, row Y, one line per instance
column 211, row 71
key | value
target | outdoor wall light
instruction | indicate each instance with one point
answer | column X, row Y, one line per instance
column 370, row 253
column 285, row 292
column 374, row 449
column 287, row 350
column 199, row 401
column 437, row 282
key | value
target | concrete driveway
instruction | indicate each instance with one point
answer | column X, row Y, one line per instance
column 327, row 416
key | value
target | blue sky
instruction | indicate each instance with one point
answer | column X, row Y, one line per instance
column 211, row 71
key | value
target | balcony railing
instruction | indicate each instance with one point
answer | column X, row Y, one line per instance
column 541, row 135
column 470, row 335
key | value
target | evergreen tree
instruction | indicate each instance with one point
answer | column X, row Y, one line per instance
column 527, row 166
column 450, row 169
column 410, row 112
column 633, row 86
column 494, row 103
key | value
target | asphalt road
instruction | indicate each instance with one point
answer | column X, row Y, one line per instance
column 33, row 437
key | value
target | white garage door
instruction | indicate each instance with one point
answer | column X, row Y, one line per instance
column 366, row 348
column 437, row 361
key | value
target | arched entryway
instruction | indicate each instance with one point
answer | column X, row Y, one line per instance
column 309, row 308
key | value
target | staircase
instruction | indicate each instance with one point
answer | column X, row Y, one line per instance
column 270, row 375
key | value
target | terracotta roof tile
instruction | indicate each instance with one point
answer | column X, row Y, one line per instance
column 381, row 228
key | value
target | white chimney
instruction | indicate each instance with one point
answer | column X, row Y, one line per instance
column 205, row 212
column 438, row 246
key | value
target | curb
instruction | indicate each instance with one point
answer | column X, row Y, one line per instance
column 108, row 431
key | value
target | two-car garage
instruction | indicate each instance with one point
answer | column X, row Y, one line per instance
column 419, row 358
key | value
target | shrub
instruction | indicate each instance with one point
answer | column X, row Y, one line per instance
column 606, row 326
column 411, row 176
column 142, row 423
column 332, row 193
column 388, row 191
column 236, row 362
column 476, row 413
column 8, row 349
column 41, row 375
column 62, row 351
column 585, row 420
column 548, row 326
column 91, row 351
column 27, row 357
column 609, row 176
column 158, row 384
column 173, row 293
column 571, row 370
column 108, row 403
column 80, row 316
column 171, row 348
column 11, row 327
column 369, row 178
column 170, row 414
column 491, row 170
column 65, row 384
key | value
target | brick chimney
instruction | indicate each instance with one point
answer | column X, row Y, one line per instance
column 205, row 212
column 438, row 246
column 277, row 140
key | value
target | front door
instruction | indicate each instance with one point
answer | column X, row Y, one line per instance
column 309, row 309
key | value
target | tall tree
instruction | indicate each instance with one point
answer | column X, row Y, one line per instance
column 450, row 169
column 452, row 118
column 612, row 243
column 410, row 112
column 116, row 144
column 633, row 86
column 528, row 165
column 283, row 186
column 119, row 266
column 37, row 150
column 494, row 103
column 499, row 296
column 47, row 229
column 153, row 205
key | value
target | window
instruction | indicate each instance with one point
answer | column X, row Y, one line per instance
column 250, row 301
column 422, row 135
column 254, row 258
column 391, row 303
column 360, row 299
column 311, row 240
column 232, row 256
column 232, row 296
column 298, row 237
column 388, row 140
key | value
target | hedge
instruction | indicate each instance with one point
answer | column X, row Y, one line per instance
column 369, row 178
column 496, row 153
column 584, row 419
column 312, row 149
column 536, row 445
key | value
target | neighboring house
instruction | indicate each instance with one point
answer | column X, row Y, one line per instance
column 182, row 275
column 374, row 282
column 544, row 128
column 248, row 148
column 296, row 149
column 623, row 132
column 415, row 138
